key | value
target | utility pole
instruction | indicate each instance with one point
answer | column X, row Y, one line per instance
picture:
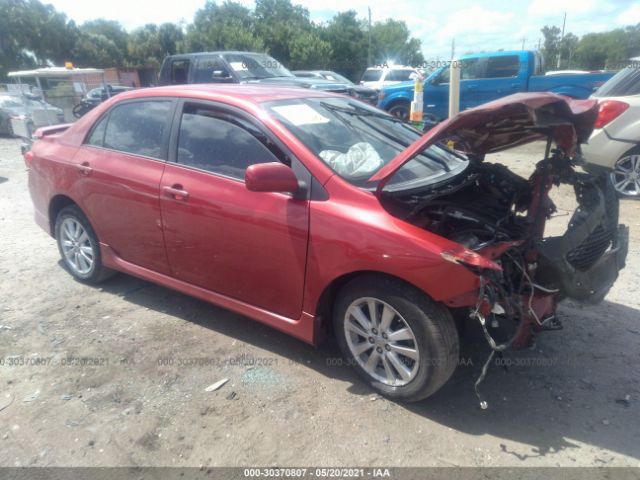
column 561, row 39
column 369, row 48
column 523, row 40
column 453, row 48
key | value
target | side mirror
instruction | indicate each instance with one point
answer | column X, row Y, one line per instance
column 220, row 74
column 270, row 177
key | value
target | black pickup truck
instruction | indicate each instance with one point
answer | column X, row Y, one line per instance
column 246, row 67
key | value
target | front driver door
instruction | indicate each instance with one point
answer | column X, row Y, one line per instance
column 218, row 235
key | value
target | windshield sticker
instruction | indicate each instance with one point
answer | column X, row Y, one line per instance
column 237, row 66
column 300, row 115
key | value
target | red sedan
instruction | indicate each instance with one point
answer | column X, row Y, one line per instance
column 313, row 213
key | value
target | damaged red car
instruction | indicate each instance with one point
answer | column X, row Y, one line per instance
column 315, row 213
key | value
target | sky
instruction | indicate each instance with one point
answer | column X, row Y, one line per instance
column 488, row 25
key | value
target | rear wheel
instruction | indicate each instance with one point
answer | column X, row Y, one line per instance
column 79, row 246
column 401, row 342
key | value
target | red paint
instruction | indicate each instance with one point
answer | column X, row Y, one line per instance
column 266, row 255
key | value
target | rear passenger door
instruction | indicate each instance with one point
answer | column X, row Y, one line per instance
column 250, row 246
column 118, row 172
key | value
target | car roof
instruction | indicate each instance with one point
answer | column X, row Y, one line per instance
column 391, row 67
column 255, row 94
column 219, row 52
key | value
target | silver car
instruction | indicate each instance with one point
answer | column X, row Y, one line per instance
column 20, row 114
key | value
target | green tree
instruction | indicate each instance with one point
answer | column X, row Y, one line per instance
column 308, row 51
column 100, row 43
column 391, row 40
column 345, row 34
column 230, row 26
column 551, row 46
column 279, row 23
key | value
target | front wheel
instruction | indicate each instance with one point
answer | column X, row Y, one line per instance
column 402, row 343
column 79, row 246
column 400, row 110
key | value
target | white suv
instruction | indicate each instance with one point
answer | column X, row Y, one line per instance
column 615, row 142
column 378, row 77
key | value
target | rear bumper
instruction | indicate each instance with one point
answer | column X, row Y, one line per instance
column 604, row 150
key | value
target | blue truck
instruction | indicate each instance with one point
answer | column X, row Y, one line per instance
column 485, row 77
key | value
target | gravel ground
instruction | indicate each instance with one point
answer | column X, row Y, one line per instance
column 573, row 400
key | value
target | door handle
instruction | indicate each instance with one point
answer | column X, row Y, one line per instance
column 176, row 192
column 85, row 169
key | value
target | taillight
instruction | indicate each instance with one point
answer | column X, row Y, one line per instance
column 608, row 111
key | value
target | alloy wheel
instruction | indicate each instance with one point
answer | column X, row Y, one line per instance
column 626, row 175
column 381, row 341
column 76, row 246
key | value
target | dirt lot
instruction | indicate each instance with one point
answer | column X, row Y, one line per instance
column 573, row 400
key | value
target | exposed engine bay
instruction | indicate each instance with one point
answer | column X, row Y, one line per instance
column 501, row 216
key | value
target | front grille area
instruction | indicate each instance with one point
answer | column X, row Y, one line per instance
column 588, row 252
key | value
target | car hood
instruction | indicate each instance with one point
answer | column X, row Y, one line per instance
column 315, row 83
column 506, row 123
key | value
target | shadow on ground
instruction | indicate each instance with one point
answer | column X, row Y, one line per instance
column 571, row 387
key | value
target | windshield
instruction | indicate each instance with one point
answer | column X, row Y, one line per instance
column 371, row 75
column 254, row 66
column 625, row 82
column 356, row 141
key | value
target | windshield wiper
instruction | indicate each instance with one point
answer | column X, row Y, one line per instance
column 361, row 111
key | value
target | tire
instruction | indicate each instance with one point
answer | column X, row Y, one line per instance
column 625, row 175
column 431, row 326
column 79, row 246
column 400, row 110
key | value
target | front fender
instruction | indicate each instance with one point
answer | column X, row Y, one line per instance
column 394, row 97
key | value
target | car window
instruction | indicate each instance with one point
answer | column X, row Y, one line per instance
column 371, row 75
column 96, row 137
column 179, row 71
column 399, row 75
column 470, row 69
column 138, row 127
column 211, row 143
column 210, row 70
column 501, row 67
column 625, row 82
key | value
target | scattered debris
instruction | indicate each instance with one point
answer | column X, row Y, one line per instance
column 72, row 423
column 5, row 327
column 32, row 397
column 626, row 401
column 66, row 396
column 605, row 422
column 216, row 386
column 232, row 396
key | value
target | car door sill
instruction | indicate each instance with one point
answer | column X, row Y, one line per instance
column 301, row 328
